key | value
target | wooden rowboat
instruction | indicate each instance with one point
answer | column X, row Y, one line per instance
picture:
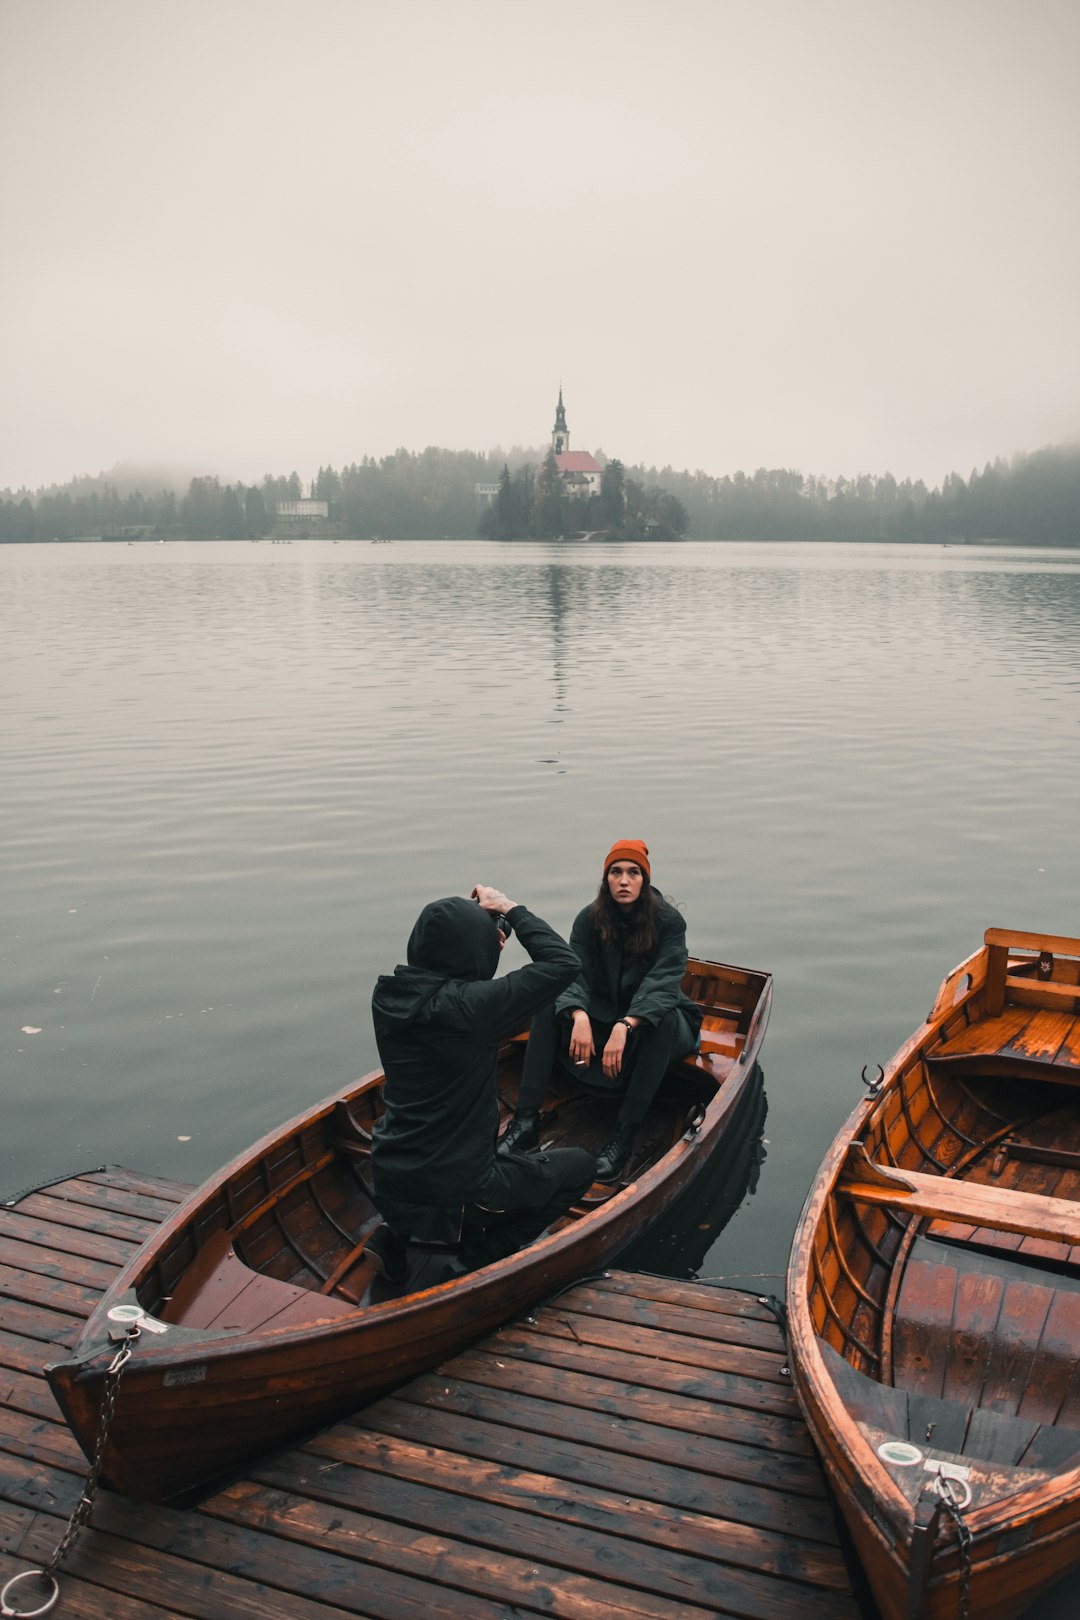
column 934, row 1295
column 259, row 1317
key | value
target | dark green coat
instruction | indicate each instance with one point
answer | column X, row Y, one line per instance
column 611, row 985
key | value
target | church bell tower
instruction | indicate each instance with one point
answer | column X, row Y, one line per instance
column 560, row 433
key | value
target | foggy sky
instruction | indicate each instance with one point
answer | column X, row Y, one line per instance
column 243, row 236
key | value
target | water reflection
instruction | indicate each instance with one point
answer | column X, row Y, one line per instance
column 676, row 1246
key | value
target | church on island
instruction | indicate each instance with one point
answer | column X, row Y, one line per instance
column 580, row 472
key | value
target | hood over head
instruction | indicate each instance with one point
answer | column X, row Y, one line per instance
column 455, row 938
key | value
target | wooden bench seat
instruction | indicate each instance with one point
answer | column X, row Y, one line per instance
column 946, row 1197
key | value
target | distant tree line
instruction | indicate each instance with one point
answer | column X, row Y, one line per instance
column 431, row 494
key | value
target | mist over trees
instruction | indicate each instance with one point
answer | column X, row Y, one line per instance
column 431, row 495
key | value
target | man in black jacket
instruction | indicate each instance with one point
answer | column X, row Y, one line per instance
column 439, row 1021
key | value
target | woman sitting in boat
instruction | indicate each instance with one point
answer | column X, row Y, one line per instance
column 624, row 1019
column 448, row 1204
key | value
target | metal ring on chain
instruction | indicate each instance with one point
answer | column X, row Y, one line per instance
column 949, row 1490
column 27, row 1575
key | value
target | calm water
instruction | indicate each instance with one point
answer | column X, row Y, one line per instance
column 234, row 773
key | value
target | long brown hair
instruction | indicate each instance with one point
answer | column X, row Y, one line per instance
column 637, row 929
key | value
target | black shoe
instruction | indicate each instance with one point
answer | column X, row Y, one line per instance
column 521, row 1135
column 613, row 1156
column 388, row 1253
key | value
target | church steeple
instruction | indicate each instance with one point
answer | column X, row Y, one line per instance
column 560, row 433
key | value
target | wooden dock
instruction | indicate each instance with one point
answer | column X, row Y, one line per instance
column 632, row 1451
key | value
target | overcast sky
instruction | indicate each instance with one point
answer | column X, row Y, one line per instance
column 243, row 236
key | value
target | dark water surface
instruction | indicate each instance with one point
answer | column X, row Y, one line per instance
column 234, row 773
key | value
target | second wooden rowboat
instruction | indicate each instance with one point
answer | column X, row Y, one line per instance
column 252, row 1316
column 934, row 1295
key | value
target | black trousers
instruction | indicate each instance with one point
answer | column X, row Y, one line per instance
column 524, row 1193
column 650, row 1050
column 520, row 1197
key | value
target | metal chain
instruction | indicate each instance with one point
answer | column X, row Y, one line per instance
column 83, row 1507
column 963, row 1536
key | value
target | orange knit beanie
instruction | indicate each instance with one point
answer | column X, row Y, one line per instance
column 628, row 849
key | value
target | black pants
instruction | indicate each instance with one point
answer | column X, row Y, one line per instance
column 650, row 1050
column 522, row 1195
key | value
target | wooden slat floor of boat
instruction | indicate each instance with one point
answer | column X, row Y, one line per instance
column 1039, row 1041
column 633, row 1450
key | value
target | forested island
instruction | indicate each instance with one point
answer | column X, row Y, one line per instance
column 433, row 495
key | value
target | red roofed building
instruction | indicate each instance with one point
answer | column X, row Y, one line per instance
column 579, row 471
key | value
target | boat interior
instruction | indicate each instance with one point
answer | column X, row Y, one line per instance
column 280, row 1244
column 946, row 1289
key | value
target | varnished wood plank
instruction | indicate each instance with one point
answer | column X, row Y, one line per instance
column 1003, row 1209
column 186, row 1588
column 51, row 1326
column 618, row 1395
column 125, row 1180
column 1023, row 1314
column 74, row 1240
column 988, row 1035
column 675, row 1317
column 650, row 1372
column 702, row 1296
column 41, row 1440
column 23, row 1392
column 580, row 1556
column 975, row 1314
column 77, row 1216
column 682, row 1348
column 366, row 1564
column 88, row 1193
column 80, row 1601
column 620, row 1430
column 1054, row 1376
column 1042, row 1037
column 369, row 1457
column 22, row 1353
column 679, row 1487
column 30, row 1288
column 922, row 1326
column 1018, row 940
column 1069, row 1051
column 64, row 1265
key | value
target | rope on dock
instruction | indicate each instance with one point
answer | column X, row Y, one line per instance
column 54, row 1181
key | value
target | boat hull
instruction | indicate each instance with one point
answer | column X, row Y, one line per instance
column 201, row 1397
column 933, row 1296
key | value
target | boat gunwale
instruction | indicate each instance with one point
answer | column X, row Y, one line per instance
column 855, row 1461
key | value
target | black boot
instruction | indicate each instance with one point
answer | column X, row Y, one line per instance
column 388, row 1253
column 614, row 1154
column 521, row 1135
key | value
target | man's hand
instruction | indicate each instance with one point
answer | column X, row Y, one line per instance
column 493, row 900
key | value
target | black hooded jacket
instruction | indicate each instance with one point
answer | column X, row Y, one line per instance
column 438, row 1024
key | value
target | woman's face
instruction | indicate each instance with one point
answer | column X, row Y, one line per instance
column 624, row 881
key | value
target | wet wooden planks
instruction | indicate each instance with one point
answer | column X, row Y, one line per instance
column 633, row 1449
column 1042, row 1042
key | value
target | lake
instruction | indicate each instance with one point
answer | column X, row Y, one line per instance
column 233, row 773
